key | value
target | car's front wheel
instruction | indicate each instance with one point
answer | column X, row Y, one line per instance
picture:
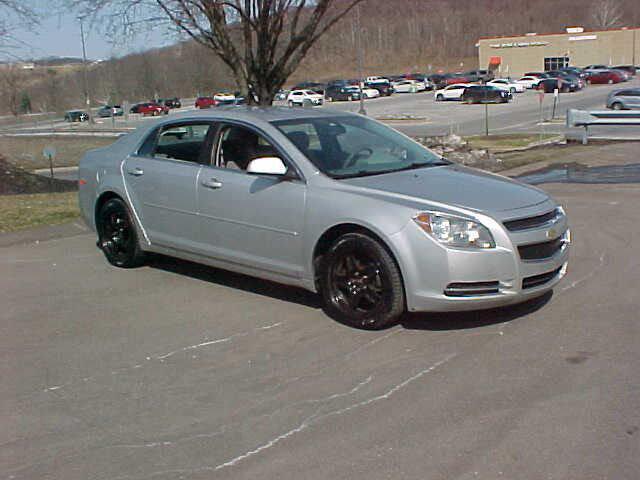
column 361, row 283
column 439, row 98
column 617, row 106
column 117, row 237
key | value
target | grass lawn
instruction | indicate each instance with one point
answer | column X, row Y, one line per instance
column 24, row 211
column 497, row 143
column 26, row 152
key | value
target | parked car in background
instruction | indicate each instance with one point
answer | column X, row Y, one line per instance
column 450, row 92
column 529, row 81
column 577, row 71
column 328, row 201
column 205, row 102
column 624, row 99
column 438, row 80
column 605, row 77
column 596, row 67
column 170, row 102
column 385, row 89
column 406, row 86
column 224, row 98
column 375, row 80
column 370, row 92
column 76, row 116
column 107, row 111
column 537, row 74
column 485, row 94
column 421, row 80
column 282, row 95
column 626, row 68
column 337, row 93
column 313, row 86
column 149, row 108
column 508, row 85
column 480, row 75
column 573, row 82
column 304, row 98
column 452, row 78
column 549, row 85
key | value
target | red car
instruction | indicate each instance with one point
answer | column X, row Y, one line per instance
column 457, row 78
column 606, row 76
column 149, row 108
column 205, row 102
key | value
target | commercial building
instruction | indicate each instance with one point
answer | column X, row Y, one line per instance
column 513, row 56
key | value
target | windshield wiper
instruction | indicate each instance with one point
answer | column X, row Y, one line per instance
column 412, row 166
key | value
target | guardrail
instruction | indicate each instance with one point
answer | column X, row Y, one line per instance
column 582, row 118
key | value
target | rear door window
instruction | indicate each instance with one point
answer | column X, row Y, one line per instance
column 182, row 142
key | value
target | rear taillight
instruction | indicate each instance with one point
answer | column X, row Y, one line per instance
column 81, row 182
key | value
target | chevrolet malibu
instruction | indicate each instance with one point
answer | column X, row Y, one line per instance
column 332, row 202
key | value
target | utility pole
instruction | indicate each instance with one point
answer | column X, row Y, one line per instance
column 87, row 98
column 362, row 110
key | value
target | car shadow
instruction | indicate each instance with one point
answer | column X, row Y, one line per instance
column 235, row 280
column 475, row 319
column 411, row 321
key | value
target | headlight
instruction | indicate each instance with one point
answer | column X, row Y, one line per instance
column 454, row 231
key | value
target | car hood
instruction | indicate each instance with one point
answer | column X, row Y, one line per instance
column 457, row 186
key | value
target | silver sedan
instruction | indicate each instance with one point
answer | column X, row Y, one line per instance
column 332, row 202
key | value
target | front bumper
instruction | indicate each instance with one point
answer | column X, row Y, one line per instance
column 446, row 279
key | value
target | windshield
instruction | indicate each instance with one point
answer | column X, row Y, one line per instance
column 353, row 146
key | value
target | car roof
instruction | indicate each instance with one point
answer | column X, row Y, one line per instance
column 252, row 114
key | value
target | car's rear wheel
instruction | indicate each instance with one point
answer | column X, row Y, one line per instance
column 290, row 104
column 617, row 106
column 361, row 283
column 117, row 237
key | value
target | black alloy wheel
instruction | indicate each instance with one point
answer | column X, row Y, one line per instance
column 117, row 237
column 361, row 283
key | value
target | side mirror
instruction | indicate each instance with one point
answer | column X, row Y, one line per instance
column 267, row 166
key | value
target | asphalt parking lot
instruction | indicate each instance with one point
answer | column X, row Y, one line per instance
column 425, row 117
column 176, row 371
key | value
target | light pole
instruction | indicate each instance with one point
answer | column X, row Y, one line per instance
column 362, row 110
column 87, row 98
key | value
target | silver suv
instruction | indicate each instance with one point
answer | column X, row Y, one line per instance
column 624, row 99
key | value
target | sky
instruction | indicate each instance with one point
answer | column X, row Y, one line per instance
column 59, row 35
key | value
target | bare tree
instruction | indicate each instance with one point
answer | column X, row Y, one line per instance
column 11, row 80
column 261, row 41
column 606, row 13
column 15, row 14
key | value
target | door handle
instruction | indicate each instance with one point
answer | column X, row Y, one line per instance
column 212, row 183
column 136, row 172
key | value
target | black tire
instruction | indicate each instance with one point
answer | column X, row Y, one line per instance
column 439, row 98
column 361, row 284
column 617, row 106
column 290, row 104
column 117, row 236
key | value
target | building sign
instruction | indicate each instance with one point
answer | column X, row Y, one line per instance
column 583, row 37
column 518, row 44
